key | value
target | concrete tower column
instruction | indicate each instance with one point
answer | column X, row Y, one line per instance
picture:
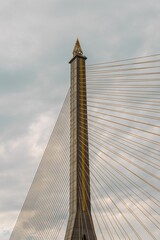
column 80, row 225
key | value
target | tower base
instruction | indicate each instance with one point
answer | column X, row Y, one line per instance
column 80, row 227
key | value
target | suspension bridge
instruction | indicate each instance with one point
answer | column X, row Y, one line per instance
column 99, row 177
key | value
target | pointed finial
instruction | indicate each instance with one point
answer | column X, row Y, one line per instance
column 77, row 49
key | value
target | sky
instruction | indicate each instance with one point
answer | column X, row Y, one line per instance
column 36, row 42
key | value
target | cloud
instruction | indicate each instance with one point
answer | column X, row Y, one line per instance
column 36, row 42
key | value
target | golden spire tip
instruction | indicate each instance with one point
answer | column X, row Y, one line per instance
column 77, row 49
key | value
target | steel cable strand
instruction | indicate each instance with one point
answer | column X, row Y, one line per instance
column 124, row 60
column 34, row 180
column 42, row 206
column 92, row 210
column 123, row 85
column 50, row 178
column 101, row 215
column 112, row 81
column 120, row 211
column 102, row 168
column 122, row 106
column 140, row 209
column 56, row 237
column 124, row 100
column 80, row 152
column 51, row 156
column 128, row 179
column 157, row 178
column 112, row 96
column 129, row 197
column 122, row 149
column 101, row 67
column 43, row 157
column 124, row 92
column 131, row 190
column 146, row 162
column 90, row 121
column 124, row 112
column 145, row 181
column 124, row 88
column 154, row 165
column 111, row 213
column 86, row 205
column 93, row 127
column 135, row 174
column 93, row 131
column 100, row 76
column 125, row 125
column 130, row 210
column 90, row 68
column 113, row 144
column 92, row 72
column 129, row 97
column 150, row 98
column 50, row 174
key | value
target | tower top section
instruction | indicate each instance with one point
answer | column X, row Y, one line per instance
column 77, row 51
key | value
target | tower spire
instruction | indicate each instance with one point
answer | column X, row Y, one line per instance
column 77, row 49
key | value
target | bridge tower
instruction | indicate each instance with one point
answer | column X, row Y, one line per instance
column 80, row 225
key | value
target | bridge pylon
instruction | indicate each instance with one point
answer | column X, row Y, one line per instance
column 80, row 224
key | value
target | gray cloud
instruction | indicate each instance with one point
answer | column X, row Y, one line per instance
column 36, row 41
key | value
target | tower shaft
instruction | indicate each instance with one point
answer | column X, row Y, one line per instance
column 80, row 224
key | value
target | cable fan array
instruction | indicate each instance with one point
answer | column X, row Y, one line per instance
column 45, row 210
column 123, row 103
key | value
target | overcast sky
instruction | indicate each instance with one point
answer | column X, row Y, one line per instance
column 36, row 42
